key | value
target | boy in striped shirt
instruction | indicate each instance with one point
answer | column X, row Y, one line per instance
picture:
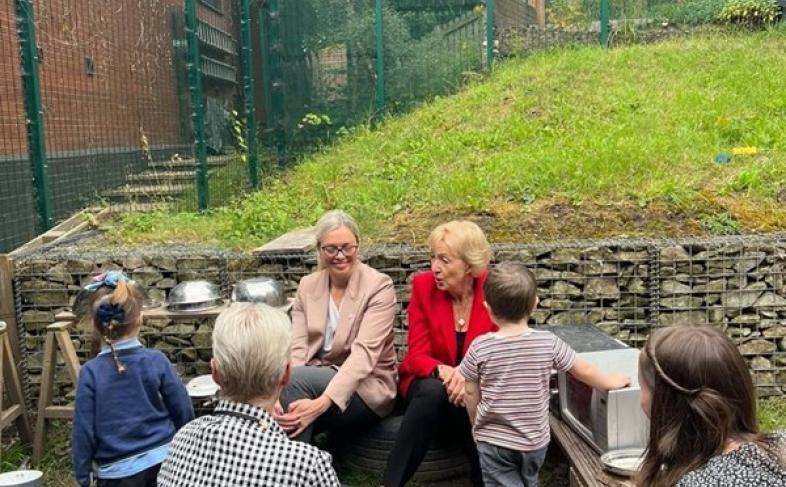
column 507, row 381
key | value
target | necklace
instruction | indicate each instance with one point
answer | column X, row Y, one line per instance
column 461, row 313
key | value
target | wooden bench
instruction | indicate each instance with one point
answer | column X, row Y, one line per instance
column 585, row 467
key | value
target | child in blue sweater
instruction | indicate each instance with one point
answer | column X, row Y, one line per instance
column 129, row 399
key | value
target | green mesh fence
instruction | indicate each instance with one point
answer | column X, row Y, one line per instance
column 158, row 104
column 324, row 74
column 110, row 91
column 17, row 207
column 105, row 88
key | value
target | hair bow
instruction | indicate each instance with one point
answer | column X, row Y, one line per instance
column 109, row 279
column 109, row 312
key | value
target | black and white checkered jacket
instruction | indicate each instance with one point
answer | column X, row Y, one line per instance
column 242, row 445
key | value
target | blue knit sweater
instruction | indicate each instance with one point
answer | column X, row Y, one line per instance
column 120, row 415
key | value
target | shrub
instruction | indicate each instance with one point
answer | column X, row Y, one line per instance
column 749, row 13
column 691, row 12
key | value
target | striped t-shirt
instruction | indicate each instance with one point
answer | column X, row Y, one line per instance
column 513, row 374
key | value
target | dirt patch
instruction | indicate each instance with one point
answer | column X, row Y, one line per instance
column 556, row 219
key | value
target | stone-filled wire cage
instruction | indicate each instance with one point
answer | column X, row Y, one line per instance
column 625, row 287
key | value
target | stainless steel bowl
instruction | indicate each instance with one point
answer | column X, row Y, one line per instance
column 194, row 296
column 260, row 290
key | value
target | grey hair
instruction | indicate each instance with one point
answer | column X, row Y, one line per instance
column 251, row 344
column 333, row 220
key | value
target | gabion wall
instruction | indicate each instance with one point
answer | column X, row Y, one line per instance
column 624, row 287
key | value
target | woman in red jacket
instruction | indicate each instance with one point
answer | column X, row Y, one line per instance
column 445, row 314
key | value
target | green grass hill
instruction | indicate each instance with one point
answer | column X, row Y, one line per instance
column 579, row 143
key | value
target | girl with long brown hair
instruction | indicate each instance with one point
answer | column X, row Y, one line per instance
column 698, row 393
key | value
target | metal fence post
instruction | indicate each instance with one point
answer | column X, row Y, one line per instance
column 272, row 77
column 604, row 23
column 197, row 102
column 34, row 109
column 379, row 33
column 248, row 92
column 489, row 33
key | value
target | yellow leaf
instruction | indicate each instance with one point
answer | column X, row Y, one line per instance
column 744, row 151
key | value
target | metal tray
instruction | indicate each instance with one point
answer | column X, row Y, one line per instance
column 623, row 462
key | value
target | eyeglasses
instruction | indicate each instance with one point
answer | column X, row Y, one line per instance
column 333, row 250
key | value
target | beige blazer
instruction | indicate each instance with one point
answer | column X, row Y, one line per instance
column 363, row 352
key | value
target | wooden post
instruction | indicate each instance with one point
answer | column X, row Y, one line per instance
column 540, row 10
column 15, row 411
column 7, row 303
column 57, row 337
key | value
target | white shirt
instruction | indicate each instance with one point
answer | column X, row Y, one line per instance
column 330, row 326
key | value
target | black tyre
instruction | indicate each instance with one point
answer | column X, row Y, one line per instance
column 369, row 452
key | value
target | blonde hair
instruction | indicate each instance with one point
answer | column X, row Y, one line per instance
column 117, row 313
column 251, row 344
column 466, row 240
column 333, row 220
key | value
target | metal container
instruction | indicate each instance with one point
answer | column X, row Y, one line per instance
column 260, row 290
column 194, row 296
column 623, row 462
column 22, row 478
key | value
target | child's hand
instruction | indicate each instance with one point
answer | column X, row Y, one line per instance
column 455, row 388
column 617, row 381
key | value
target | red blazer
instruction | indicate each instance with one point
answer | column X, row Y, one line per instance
column 431, row 338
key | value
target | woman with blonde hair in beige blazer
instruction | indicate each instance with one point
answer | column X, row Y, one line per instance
column 343, row 359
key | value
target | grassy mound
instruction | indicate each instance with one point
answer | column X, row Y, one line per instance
column 577, row 143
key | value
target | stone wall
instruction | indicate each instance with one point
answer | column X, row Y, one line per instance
column 624, row 287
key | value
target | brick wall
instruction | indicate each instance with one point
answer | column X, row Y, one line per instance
column 12, row 121
column 133, row 89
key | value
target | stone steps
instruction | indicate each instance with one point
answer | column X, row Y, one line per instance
column 151, row 177
column 143, row 206
column 158, row 187
column 189, row 164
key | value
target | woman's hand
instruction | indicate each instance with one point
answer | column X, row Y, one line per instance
column 287, row 421
column 307, row 411
column 445, row 372
column 455, row 388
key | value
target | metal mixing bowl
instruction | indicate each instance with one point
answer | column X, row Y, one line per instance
column 194, row 296
column 260, row 290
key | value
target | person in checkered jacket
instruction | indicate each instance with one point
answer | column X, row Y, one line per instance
column 240, row 444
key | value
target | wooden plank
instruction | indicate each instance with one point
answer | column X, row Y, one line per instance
column 59, row 326
column 584, row 461
column 65, row 316
column 69, row 355
column 9, row 415
column 51, row 236
column 73, row 225
column 13, row 388
column 7, row 302
column 574, row 480
column 296, row 241
column 162, row 312
column 540, row 9
column 45, row 396
column 60, row 412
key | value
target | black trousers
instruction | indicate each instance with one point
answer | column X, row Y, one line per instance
column 145, row 478
column 428, row 413
column 309, row 383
